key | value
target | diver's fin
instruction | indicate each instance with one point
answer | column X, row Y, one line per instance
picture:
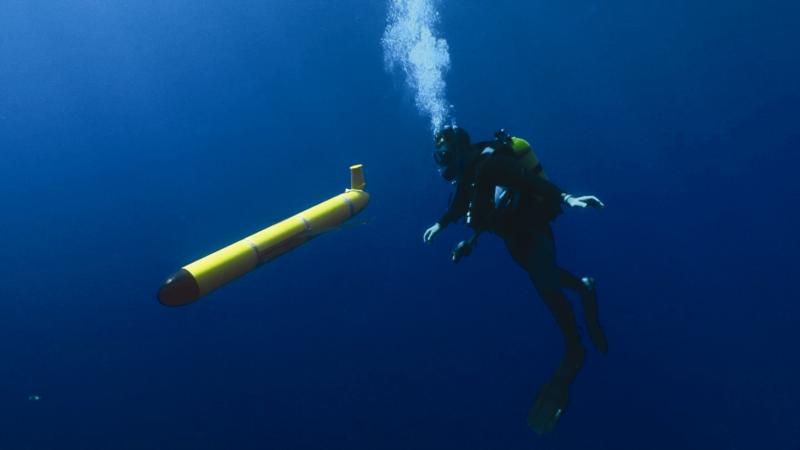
column 592, row 316
column 550, row 405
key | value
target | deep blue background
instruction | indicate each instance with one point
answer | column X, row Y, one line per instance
column 138, row 136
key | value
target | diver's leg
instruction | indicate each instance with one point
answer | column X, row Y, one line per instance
column 534, row 250
column 553, row 397
column 591, row 314
column 571, row 282
column 562, row 311
column 586, row 289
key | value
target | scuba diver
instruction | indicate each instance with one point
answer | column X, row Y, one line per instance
column 501, row 187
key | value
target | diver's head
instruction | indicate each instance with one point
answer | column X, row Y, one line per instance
column 452, row 153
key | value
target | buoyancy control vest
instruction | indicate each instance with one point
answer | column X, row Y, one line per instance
column 523, row 152
column 506, row 208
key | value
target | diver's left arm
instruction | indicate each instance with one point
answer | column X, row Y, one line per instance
column 582, row 201
column 505, row 171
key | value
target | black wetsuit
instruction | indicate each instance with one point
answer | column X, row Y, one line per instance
column 522, row 219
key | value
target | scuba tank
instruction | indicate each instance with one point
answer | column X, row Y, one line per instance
column 522, row 150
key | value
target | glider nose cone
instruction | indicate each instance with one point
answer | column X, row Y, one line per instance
column 179, row 289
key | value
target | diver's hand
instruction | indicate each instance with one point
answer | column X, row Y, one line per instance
column 583, row 201
column 431, row 232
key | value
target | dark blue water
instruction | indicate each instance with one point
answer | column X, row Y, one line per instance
column 138, row 136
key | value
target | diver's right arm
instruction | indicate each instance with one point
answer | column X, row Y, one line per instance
column 458, row 207
column 431, row 232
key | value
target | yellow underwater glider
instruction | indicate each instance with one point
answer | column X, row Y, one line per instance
column 208, row 273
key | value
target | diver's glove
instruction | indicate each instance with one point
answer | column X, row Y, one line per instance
column 583, row 201
column 464, row 248
column 431, row 232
